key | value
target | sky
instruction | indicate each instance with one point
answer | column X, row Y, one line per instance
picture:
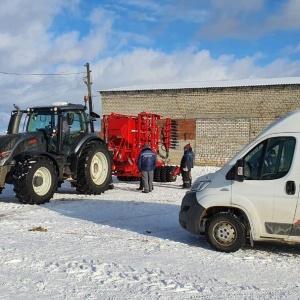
column 45, row 45
column 126, row 245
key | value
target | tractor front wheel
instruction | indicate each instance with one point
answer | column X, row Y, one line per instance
column 35, row 180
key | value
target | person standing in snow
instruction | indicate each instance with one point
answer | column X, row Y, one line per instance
column 185, row 167
column 146, row 163
column 192, row 160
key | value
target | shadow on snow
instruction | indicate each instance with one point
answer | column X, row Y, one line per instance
column 147, row 218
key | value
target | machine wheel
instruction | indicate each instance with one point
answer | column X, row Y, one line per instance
column 225, row 233
column 163, row 174
column 170, row 174
column 157, row 172
column 94, row 170
column 35, row 180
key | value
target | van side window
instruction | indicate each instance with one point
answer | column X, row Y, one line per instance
column 270, row 159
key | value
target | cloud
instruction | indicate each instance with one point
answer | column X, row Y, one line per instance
column 291, row 49
column 230, row 18
column 123, row 54
column 235, row 8
column 249, row 19
column 169, row 10
column 24, row 28
column 143, row 66
column 286, row 18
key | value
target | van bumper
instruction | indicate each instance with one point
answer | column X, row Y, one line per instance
column 190, row 213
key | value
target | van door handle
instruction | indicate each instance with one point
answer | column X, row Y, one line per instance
column 290, row 187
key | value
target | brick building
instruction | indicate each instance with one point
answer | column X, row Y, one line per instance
column 217, row 118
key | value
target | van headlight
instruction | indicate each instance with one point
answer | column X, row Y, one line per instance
column 199, row 185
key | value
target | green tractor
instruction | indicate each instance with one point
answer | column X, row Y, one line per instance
column 56, row 143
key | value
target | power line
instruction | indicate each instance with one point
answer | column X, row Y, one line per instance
column 41, row 74
column 47, row 86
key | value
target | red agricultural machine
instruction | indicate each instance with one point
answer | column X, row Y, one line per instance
column 125, row 136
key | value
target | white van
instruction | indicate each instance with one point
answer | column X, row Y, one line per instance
column 255, row 195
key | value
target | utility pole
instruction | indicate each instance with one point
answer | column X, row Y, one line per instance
column 89, row 84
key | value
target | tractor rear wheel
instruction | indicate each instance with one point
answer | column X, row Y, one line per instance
column 35, row 180
column 94, row 169
column 170, row 174
column 157, row 172
column 163, row 174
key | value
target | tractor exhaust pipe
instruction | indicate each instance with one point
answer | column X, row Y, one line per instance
column 14, row 122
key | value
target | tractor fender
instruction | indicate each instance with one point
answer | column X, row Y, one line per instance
column 83, row 141
column 56, row 159
column 79, row 146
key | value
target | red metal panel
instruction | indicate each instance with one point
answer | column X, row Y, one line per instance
column 126, row 135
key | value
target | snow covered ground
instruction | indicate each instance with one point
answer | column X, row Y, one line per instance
column 128, row 245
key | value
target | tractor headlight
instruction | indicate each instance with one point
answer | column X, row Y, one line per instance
column 3, row 157
column 199, row 185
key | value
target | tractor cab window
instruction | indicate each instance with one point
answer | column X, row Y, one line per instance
column 79, row 123
column 47, row 123
column 74, row 122
column 39, row 121
column 73, row 125
column 269, row 160
column 23, row 123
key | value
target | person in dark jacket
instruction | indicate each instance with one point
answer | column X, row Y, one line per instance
column 271, row 160
column 191, row 155
column 192, row 159
column 146, row 164
column 185, row 167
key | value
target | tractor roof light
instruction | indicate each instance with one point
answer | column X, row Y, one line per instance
column 60, row 103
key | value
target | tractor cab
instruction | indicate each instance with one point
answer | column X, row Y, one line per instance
column 62, row 124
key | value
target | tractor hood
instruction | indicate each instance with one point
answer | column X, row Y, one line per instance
column 18, row 143
column 7, row 142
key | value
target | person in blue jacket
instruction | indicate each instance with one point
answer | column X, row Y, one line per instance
column 146, row 163
column 186, row 165
column 191, row 155
column 191, row 158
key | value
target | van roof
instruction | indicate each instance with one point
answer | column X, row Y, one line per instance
column 287, row 123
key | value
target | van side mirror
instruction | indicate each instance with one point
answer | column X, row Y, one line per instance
column 239, row 170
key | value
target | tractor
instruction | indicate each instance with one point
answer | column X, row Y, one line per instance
column 57, row 143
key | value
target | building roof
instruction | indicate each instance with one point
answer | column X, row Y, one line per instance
column 209, row 84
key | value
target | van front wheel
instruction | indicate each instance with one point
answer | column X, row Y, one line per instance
column 225, row 233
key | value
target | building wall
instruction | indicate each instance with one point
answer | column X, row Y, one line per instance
column 217, row 122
